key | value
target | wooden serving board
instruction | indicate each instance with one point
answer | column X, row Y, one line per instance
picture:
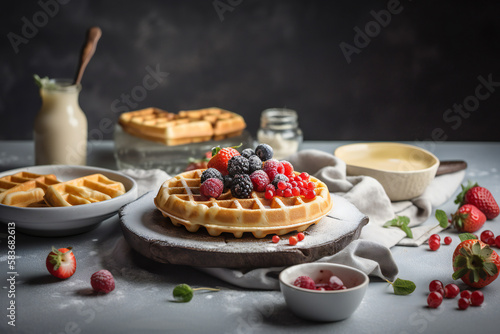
column 154, row 236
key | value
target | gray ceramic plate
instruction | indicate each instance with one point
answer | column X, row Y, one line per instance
column 154, row 236
column 65, row 221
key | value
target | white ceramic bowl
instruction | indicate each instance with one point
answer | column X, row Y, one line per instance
column 404, row 170
column 64, row 221
column 323, row 305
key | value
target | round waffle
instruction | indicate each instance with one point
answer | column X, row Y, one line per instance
column 179, row 199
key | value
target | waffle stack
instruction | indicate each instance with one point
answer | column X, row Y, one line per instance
column 84, row 190
column 25, row 189
column 179, row 199
column 188, row 126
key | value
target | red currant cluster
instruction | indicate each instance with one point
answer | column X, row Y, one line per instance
column 435, row 241
column 450, row 291
column 297, row 185
column 293, row 240
column 306, row 282
column 488, row 237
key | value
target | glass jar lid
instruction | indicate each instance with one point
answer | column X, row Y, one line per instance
column 279, row 119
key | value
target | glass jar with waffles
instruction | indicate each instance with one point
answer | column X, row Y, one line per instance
column 179, row 199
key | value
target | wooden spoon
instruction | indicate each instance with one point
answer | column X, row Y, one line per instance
column 446, row 167
column 93, row 35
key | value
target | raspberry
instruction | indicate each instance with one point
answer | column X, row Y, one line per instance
column 264, row 152
column 242, row 186
column 212, row 188
column 254, row 163
column 271, row 168
column 260, row 180
column 270, row 187
column 247, row 153
column 279, row 178
column 102, row 281
column 288, row 168
column 211, row 173
column 237, row 165
column 305, row 282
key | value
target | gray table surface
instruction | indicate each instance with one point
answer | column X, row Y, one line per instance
column 140, row 302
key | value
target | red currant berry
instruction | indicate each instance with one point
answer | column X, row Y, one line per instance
column 447, row 240
column 282, row 185
column 497, row 241
column 270, row 186
column 477, row 298
column 441, row 292
column 276, row 239
column 434, row 299
column 293, row 183
column 486, row 234
column 451, row 291
column 300, row 236
column 287, row 192
column 435, row 285
column 466, row 294
column 490, row 241
column 436, row 237
column 311, row 194
column 279, row 192
column 311, row 185
column 304, row 176
column 463, row 303
column 335, row 283
column 295, row 191
column 269, row 194
column 293, row 241
column 434, row 244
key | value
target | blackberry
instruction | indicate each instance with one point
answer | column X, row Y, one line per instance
column 237, row 165
column 254, row 163
column 264, row 152
column 278, row 178
column 228, row 181
column 247, row 153
column 211, row 173
column 242, row 186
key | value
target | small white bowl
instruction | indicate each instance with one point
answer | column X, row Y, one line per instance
column 404, row 170
column 323, row 305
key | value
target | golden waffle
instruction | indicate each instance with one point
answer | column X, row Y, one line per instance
column 25, row 189
column 179, row 199
column 186, row 127
column 84, row 190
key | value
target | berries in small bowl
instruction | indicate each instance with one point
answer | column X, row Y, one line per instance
column 323, row 303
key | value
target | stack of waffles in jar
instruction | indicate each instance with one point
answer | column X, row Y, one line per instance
column 188, row 126
column 181, row 200
column 25, row 189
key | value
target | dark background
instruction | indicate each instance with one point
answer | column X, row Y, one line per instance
column 253, row 55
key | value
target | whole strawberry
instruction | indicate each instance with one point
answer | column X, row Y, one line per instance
column 102, row 281
column 468, row 218
column 475, row 262
column 479, row 197
column 220, row 158
column 61, row 262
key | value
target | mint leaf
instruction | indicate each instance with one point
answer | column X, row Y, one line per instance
column 401, row 222
column 403, row 287
column 442, row 218
column 466, row 236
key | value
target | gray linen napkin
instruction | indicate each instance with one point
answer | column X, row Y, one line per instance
column 371, row 252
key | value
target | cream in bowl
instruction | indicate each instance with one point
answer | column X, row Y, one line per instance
column 404, row 170
column 323, row 304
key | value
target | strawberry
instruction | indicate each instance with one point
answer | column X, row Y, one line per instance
column 480, row 197
column 468, row 218
column 198, row 163
column 61, row 262
column 220, row 158
column 475, row 262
